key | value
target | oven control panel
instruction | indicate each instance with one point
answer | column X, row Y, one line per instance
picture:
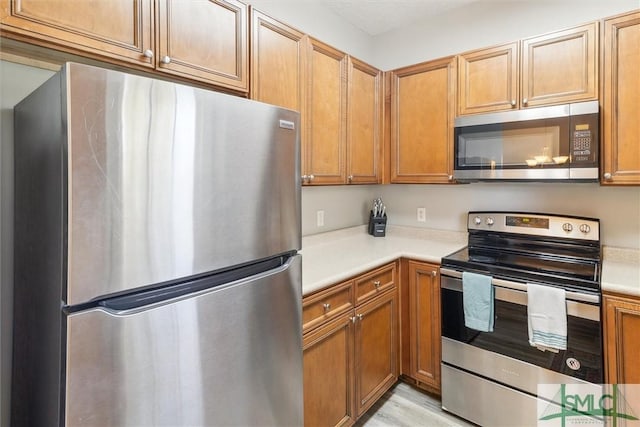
column 545, row 225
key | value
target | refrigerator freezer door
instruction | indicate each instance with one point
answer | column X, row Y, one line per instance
column 168, row 181
column 230, row 356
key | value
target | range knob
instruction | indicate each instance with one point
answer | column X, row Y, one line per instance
column 477, row 220
column 585, row 228
column 489, row 221
column 567, row 227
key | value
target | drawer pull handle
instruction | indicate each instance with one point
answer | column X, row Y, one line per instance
column 326, row 306
column 376, row 284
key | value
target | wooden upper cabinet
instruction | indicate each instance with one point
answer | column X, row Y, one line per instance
column 364, row 123
column 324, row 140
column 560, row 67
column 488, row 79
column 422, row 112
column 204, row 40
column 277, row 62
column 119, row 29
column 620, row 106
column 622, row 339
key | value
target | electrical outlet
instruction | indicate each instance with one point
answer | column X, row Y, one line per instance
column 320, row 218
column 421, row 215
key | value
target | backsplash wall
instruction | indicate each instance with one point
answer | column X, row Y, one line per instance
column 446, row 206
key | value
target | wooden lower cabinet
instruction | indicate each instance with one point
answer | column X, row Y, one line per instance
column 421, row 340
column 328, row 374
column 351, row 360
column 621, row 339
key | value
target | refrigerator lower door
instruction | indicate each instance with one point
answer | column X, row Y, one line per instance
column 231, row 355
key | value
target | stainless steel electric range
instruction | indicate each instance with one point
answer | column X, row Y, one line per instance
column 491, row 378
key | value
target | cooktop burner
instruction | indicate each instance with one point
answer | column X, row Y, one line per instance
column 537, row 248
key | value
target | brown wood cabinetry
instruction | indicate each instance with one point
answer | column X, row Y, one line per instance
column 364, row 123
column 554, row 68
column 198, row 40
column 422, row 112
column 120, row 29
column 278, row 62
column 421, row 342
column 621, row 339
column 350, row 348
column 620, row 95
column 488, row 79
column 204, row 40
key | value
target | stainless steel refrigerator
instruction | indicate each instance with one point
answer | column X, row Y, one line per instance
column 157, row 279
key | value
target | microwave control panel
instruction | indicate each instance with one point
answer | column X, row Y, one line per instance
column 581, row 150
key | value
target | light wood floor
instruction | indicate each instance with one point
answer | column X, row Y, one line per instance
column 406, row 406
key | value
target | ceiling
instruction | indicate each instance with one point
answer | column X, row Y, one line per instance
column 379, row 16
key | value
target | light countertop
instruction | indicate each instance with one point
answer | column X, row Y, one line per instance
column 332, row 257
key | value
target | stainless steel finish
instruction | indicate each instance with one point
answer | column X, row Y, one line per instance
column 528, row 174
column 474, row 399
column 567, row 227
column 180, row 373
column 506, row 370
column 489, row 221
column 607, row 176
column 528, row 114
column 326, row 306
column 477, row 220
column 142, row 171
column 556, row 225
column 578, row 304
column 165, row 60
column 148, row 53
column 583, row 173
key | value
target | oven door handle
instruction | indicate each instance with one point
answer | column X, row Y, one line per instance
column 516, row 293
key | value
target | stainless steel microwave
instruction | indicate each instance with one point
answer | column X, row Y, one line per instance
column 559, row 142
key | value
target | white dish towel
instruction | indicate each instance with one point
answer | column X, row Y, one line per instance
column 547, row 317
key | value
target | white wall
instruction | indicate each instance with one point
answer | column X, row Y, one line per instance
column 486, row 24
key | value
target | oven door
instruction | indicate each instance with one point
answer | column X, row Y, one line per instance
column 583, row 358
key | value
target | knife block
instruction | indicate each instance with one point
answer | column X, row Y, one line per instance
column 377, row 225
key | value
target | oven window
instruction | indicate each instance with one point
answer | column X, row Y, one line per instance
column 510, row 337
column 513, row 145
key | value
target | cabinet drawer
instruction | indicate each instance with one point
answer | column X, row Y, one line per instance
column 326, row 305
column 374, row 283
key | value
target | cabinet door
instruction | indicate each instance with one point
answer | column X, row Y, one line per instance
column 622, row 340
column 117, row 29
column 328, row 374
column 204, row 40
column 560, row 67
column 424, row 323
column 324, row 142
column 422, row 111
column 364, row 123
column 376, row 349
column 488, row 80
column 277, row 62
column 620, row 106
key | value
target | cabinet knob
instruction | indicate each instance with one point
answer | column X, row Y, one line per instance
column 326, row 306
column 525, row 101
column 350, row 178
column 165, row 60
column 360, row 316
column 607, row 176
column 513, row 102
column 376, row 284
column 310, row 177
column 353, row 319
column 304, row 178
column 148, row 53
column 434, row 274
column 450, row 177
